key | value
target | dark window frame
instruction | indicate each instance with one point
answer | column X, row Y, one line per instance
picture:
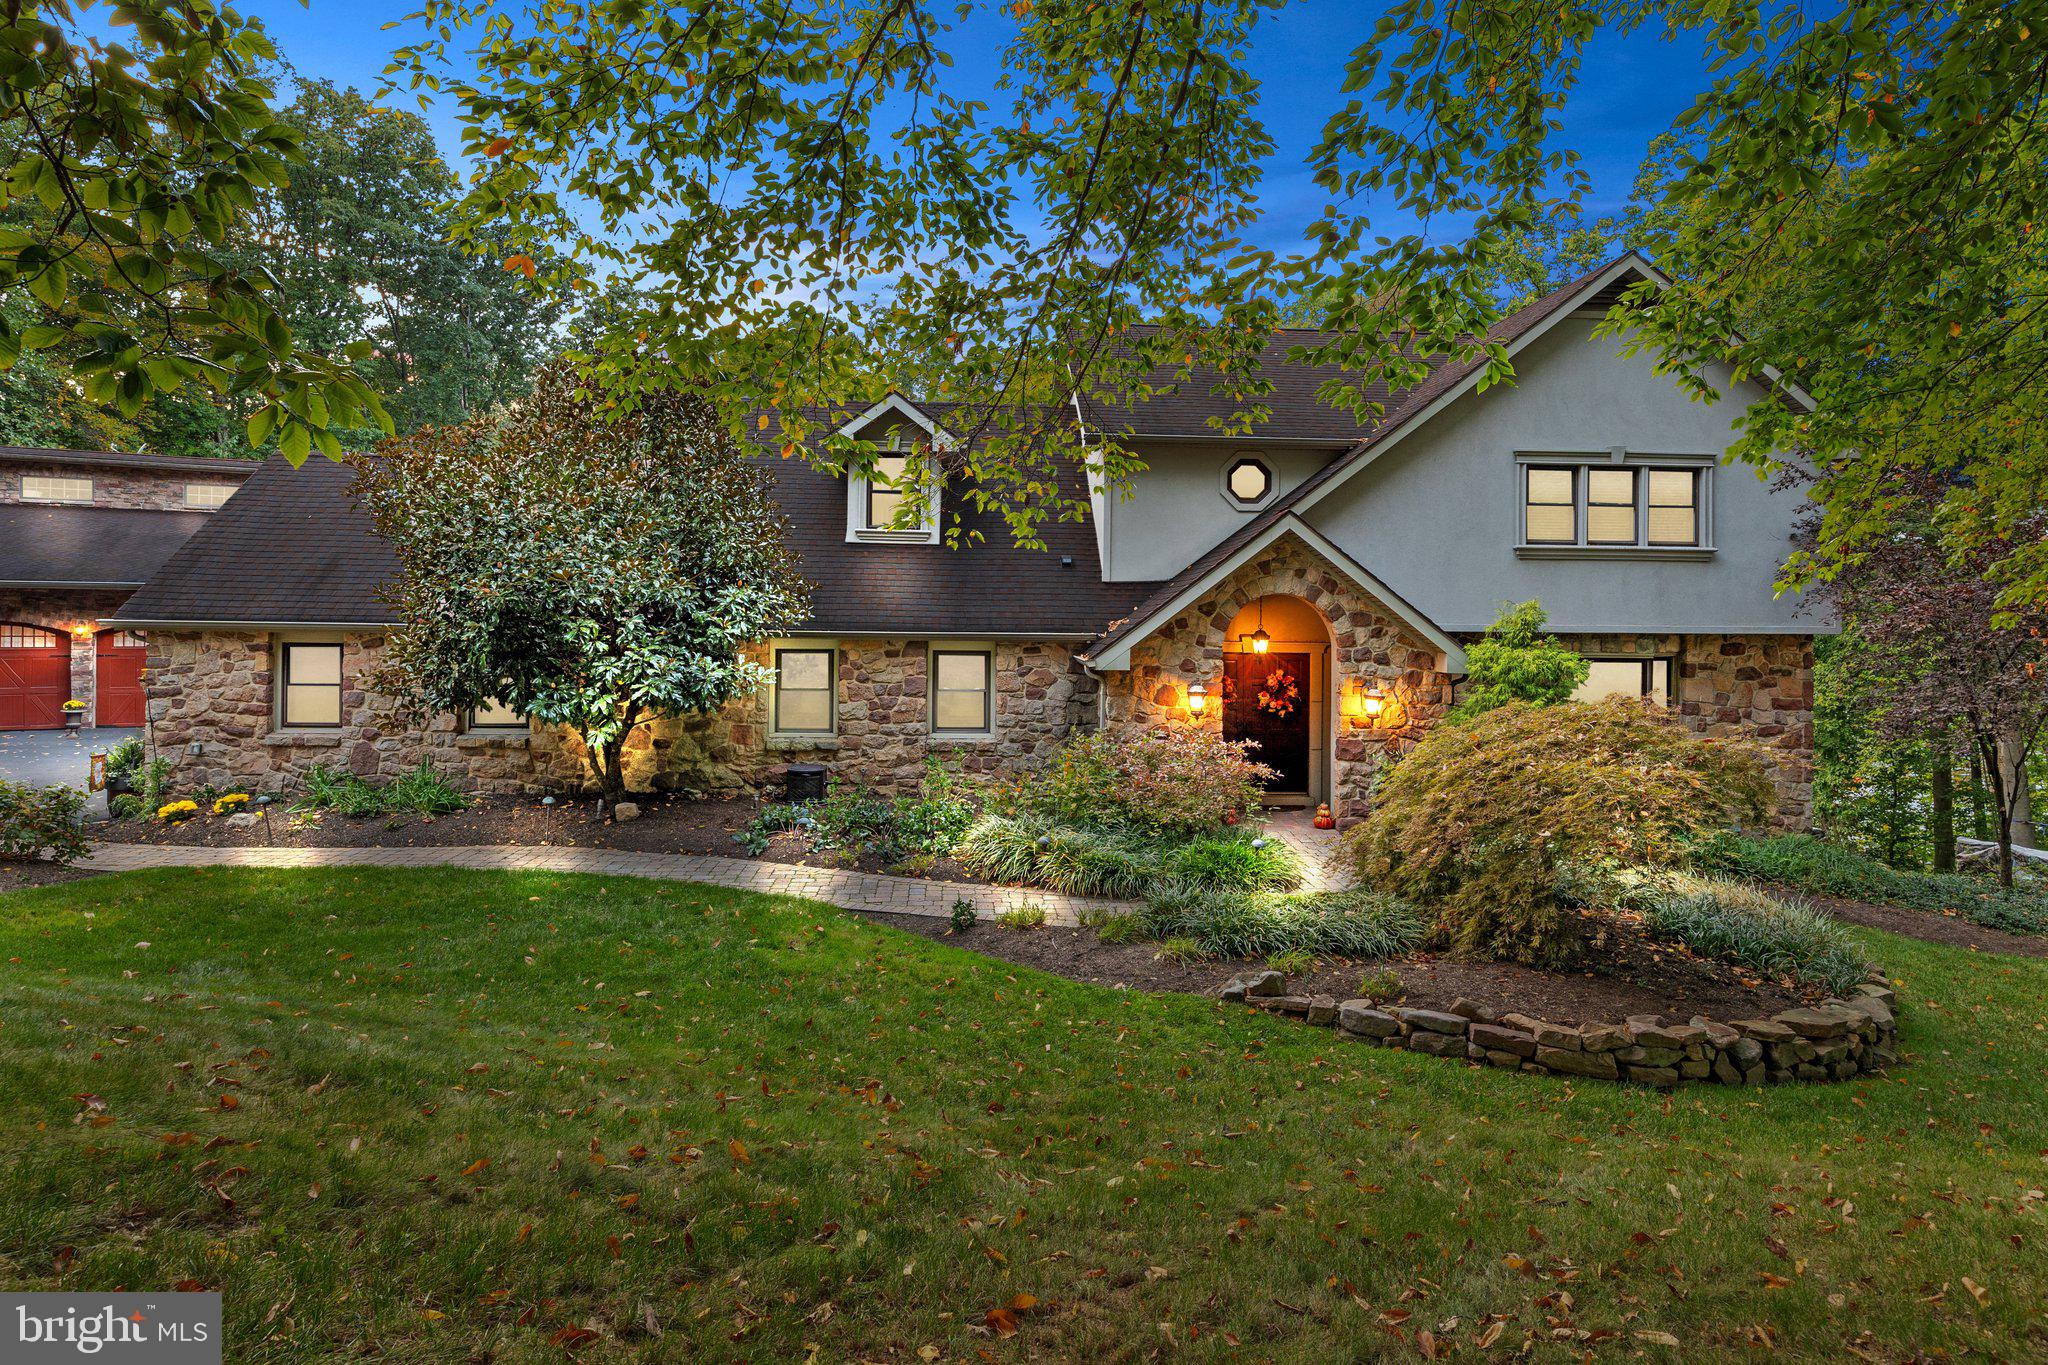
column 1648, row 686
column 988, row 692
column 831, row 690
column 470, row 722
column 1695, row 480
column 284, row 684
column 1230, row 474
column 1572, row 473
column 1634, row 504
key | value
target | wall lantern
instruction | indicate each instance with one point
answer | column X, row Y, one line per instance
column 1374, row 699
column 82, row 631
column 1198, row 697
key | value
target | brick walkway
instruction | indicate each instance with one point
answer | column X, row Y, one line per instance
column 848, row 890
column 1323, row 865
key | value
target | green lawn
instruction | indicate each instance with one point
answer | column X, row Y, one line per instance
column 455, row 1115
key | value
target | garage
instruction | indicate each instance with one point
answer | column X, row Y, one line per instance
column 117, row 694
column 35, row 677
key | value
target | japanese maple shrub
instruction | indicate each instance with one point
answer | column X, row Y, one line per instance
column 1478, row 822
column 587, row 565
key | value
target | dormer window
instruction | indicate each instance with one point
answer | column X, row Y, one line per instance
column 874, row 501
column 885, row 491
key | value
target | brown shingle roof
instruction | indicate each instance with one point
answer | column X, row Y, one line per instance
column 293, row 547
column 111, row 547
column 225, row 467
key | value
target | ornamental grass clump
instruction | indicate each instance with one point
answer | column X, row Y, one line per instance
column 1820, row 868
column 1121, row 863
column 1733, row 920
column 1477, row 823
column 1350, row 924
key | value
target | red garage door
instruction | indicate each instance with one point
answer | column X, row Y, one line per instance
column 118, row 692
column 35, row 677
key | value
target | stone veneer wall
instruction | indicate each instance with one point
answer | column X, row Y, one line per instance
column 65, row 610
column 1756, row 687
column 1366, row 642
column 117, row 487
column 214, row 689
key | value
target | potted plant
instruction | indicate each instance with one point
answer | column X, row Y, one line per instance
column 123, row 762
column 74, row 714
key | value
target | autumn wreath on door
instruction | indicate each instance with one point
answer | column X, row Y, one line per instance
column 1279, row 692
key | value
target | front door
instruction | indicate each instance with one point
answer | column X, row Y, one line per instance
column 1266, row 700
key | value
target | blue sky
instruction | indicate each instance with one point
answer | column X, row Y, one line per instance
column 1631, row 88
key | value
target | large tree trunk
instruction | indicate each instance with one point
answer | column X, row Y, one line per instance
column 1980, row 824
column 2012, row 757
column 1942, row 819
column 2001, row 804
column 607, row 763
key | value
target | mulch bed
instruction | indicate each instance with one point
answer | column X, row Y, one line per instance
column 16, row 875
column 1953, row 930
column 680, row 825
column 1636, row 976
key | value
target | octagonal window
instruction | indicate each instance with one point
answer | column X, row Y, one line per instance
column 1248, row 481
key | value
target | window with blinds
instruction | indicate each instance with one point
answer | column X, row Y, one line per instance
column 1610, row 506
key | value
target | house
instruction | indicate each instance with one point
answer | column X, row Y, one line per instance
column 1311, row 586
column 79, row 531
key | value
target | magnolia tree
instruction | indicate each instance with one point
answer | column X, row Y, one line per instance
column 586, row 566
column 1945, row 663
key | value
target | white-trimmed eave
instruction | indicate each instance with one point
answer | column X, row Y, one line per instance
column 1451, row 657
column 903, row 407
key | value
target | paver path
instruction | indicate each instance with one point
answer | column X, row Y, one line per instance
column 849, row 890
column 1323, row 866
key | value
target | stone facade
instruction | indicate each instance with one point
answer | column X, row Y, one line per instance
column 1366, row 644
column 1754, row 687
column 215, row 690
column 75, row 612
column 113, row 486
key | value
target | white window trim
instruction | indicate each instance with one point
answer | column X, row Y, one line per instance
column 278, row 683
column 1232, row 461
column 776, row 648
column 85, row 479
column 1641, row 463
column 935, row 648
column 859, row 485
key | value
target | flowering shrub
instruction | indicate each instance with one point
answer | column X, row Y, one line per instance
column 1178, row 781
column 231, row 803
column 35, row 820
column 177, row 810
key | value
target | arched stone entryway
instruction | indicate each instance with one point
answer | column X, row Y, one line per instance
column 1368, row 644
column 1276, row 694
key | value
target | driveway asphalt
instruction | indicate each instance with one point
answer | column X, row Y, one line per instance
column 47, row 758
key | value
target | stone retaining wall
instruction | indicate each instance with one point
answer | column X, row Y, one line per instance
column 1832, row 1041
